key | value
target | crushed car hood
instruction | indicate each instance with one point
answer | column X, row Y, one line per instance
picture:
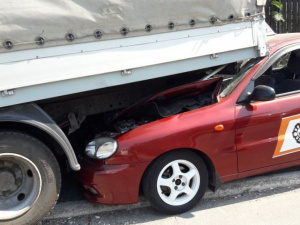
column 172, row 101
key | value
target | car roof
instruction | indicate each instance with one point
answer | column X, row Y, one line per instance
column 279, row 40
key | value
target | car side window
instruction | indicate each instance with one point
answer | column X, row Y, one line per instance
column 282, row 62
column 283, row 75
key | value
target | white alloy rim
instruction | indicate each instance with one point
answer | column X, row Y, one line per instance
column 178, row 182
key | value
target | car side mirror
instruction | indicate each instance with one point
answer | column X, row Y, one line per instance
column 262, row 93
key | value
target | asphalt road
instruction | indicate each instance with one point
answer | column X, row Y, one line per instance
column 271, row 207
column 269, row 199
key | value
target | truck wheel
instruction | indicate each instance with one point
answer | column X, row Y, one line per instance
column 29, row 179
column 175, row 182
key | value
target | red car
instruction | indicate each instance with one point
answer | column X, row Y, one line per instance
column 177, row 143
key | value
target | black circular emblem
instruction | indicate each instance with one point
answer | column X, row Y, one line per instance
column 296, row 133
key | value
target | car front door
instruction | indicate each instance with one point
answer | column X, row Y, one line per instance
column 268, row 133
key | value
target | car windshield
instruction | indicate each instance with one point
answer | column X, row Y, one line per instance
column 230, row 82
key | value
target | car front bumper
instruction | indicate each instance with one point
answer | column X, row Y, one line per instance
column 111, row 184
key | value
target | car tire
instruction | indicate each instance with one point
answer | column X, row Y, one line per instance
column 176, row 181
column 30, row 179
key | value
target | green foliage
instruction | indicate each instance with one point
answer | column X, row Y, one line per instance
column 277, row 4
column 277, row 16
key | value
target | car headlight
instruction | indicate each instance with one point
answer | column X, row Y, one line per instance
column 101, row 148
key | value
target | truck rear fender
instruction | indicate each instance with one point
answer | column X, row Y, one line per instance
column 32, row 115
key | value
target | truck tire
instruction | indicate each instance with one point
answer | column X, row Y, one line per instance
column 175, row 182
column 29, row 179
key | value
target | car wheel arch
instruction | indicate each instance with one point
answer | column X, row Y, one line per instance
column 214, row 181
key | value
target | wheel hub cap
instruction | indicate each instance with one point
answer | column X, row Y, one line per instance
column 20, row 185
column 178, row 182
column 7, row 182
column 10, row 178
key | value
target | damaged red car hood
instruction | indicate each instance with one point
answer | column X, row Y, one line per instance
column 195, row 88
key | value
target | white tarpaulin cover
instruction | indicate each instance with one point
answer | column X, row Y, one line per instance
column 22, row 21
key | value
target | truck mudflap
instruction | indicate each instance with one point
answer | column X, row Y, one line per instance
column 33, row 115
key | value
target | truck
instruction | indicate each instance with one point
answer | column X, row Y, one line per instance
column 69, row 66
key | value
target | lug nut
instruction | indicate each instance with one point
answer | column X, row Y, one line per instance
column 173, row 180
column 183, row 184
column 175, row 187
column 180, row 176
